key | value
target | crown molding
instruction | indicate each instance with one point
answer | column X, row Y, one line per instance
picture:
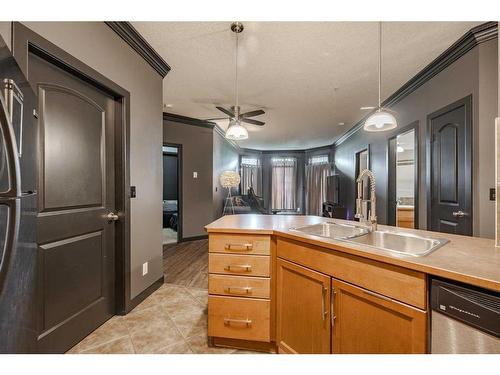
column 202, row 123
column 475, row 36
column 134, row 39
column 188, row 120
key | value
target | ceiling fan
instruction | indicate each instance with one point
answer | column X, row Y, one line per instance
column 234, row 113
column 236, row 131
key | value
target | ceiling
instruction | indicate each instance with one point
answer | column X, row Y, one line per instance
column 309, row 77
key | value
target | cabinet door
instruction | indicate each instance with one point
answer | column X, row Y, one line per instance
column 368, row 322
column 303, row 309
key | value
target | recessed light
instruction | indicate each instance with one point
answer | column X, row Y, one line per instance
column 168, row 105
column 341, row 123
column 366, row 108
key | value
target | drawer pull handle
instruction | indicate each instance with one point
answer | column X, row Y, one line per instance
column 376, row 295
column 239, row 246
column 228, row 322
column 238, row 290
column 238, row 268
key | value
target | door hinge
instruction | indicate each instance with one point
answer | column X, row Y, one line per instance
column 35, row 113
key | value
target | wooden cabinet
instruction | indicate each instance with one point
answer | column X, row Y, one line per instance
column 240, row 283
column 303, row 305
column 367, row 322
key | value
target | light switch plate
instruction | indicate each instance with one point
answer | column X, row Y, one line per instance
column 144, row 269
column 195, row 174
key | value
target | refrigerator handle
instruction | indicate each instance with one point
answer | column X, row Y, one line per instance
column 11, row 152
column 11, row 236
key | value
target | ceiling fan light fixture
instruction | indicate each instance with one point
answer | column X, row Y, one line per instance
column 380, row 121
column 236, row 131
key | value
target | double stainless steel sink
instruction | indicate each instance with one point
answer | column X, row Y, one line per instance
column 392, row 241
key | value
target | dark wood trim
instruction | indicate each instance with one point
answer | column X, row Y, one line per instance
column 134, row 302
column 188, row 120
column 134, row 39
column 467, row 102
column 202, row 123
column 179, row 188
column 469, row 40
column 415, row 126
column 194, row 238
column 25, row 41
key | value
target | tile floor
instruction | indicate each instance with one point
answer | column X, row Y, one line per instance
column 172, row 320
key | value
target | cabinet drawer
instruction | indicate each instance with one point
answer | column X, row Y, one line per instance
column 239, row 318
column 247, row 265
column 392, row 281
column 239, row 244
column 256, row 287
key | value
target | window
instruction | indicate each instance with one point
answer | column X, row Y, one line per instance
column 284, row 183
column 317, row 171
column 249, row 161
column 319, row 159
column 251, row 175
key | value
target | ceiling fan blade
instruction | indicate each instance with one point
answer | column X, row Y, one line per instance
column 226, row 111
column 253, row 113
column 253, row 122
column 217, row 118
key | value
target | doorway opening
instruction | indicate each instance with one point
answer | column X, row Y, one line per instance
column 172, row 155
column 403, row 178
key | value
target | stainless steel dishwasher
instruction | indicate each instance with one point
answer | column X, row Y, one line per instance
column 464, row 319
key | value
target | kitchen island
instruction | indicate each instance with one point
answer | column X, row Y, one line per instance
column 273, row 288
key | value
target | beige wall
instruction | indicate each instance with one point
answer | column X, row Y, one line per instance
column 98, row 46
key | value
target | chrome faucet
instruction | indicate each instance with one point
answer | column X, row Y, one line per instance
column 371, row 219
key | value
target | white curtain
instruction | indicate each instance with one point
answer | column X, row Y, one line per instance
column 316, row 176
column 284, row 184
column 251, row 176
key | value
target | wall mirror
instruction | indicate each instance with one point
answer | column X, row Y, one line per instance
column 403, row 178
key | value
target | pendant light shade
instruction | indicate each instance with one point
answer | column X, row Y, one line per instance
column 382, row 120
column 236, row 131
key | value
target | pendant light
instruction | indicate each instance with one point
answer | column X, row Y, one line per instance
column 382, row 119
column 235, row 130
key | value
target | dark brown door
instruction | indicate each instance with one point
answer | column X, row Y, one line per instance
column 76, row 192
column 451, row 169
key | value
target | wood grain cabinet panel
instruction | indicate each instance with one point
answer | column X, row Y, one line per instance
column 245, row 265
column 239, row 244
column 367, row 323
column 239, row 318
column 399, row 283
column 303, row 305
column 256, row 287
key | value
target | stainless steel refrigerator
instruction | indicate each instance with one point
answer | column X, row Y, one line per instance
column 18, row 209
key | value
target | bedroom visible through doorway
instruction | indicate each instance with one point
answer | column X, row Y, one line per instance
column 171, row 173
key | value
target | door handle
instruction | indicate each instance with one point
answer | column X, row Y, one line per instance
column 459, row 213
column 112, row 217
column 11, row 151
column 324, row 312
column 332, row 307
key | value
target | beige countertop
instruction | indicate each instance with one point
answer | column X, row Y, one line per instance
column 471, row 260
